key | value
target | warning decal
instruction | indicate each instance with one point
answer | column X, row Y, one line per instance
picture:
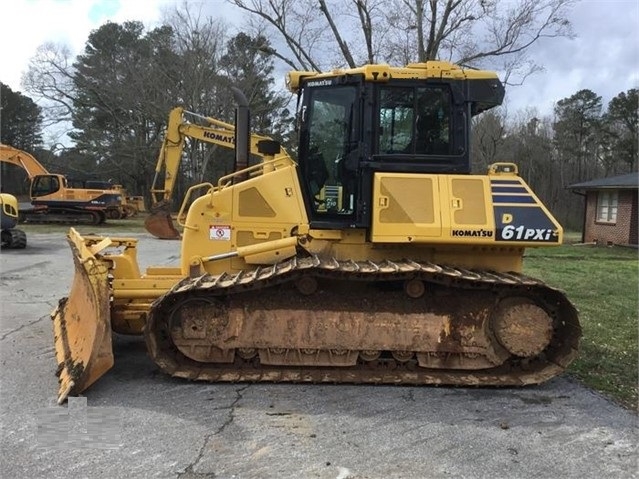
column 220, row 232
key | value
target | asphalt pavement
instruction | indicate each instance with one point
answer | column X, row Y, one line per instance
column 137, row 422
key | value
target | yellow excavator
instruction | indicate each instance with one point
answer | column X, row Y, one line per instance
column 180, row 127
column 53, row 201
column 11, row 237
column 374, row 257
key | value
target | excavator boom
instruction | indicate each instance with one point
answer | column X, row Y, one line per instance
column 22, row 159
column 208, row 130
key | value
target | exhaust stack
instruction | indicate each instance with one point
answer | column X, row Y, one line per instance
column 242, row 129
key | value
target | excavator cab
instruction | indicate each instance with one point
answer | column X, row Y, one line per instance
column 45, row 185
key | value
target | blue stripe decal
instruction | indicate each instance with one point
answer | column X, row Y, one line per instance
column 509, row 189
column 513, row 199
column 505, row 182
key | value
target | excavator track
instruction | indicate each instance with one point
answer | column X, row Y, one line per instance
column 314, row 320
column 65, row 216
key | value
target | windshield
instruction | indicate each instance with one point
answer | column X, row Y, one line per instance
column 44, row 185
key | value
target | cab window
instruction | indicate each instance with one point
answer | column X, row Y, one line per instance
column 44, row 185
column 414, row 120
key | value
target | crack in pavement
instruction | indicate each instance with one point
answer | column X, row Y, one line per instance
column 188, row 473
column 22, row 326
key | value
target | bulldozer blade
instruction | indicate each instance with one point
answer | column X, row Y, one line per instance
column 82, row 324
column 160, row 224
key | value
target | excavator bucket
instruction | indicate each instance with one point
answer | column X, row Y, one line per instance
column 160, row 224
column 82, row 323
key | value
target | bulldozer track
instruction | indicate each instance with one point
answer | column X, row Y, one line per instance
column 458, row 283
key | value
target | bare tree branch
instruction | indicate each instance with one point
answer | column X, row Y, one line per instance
column 479, row 33
column 49, row 80
column 276, row 15
column 338, row 38
column 367, row 27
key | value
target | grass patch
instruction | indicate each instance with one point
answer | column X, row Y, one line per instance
column 603, row 284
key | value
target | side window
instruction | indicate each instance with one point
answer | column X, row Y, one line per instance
column 607, row 204
column 414, row 120
column 396, row 116
column 45, row 185
column 432, row 125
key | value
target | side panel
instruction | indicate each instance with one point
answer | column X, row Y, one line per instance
column 470, row 212
column 257, row 210
column 406, row 208
column 520, row 216
column 459, row 209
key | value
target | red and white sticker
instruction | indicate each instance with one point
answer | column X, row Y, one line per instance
column 220, row 232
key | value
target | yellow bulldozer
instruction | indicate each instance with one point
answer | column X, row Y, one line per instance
column 375, row 256
column 129, row 206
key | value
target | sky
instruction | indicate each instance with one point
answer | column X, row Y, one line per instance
column 603, row 58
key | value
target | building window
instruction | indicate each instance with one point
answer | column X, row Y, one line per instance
column 607, row 206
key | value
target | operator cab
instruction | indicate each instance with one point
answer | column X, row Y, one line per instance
column 354, row 123
column 44, row 185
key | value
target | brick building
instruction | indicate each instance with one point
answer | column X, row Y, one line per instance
column 611, row 209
